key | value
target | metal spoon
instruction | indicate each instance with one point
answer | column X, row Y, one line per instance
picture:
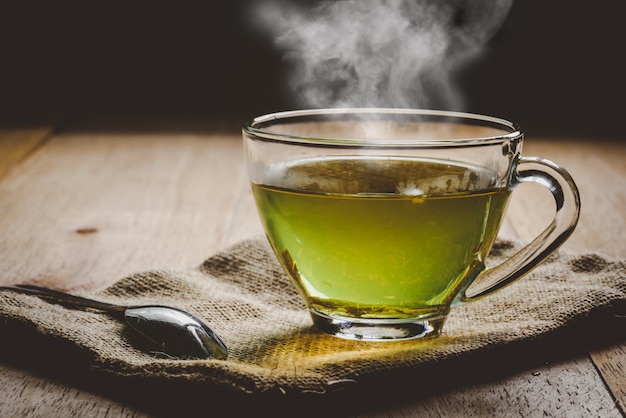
column 176, row 332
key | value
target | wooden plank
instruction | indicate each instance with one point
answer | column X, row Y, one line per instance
column 598, row 169
column 92, row 208
column 17, row 143
column 611, row 362
column 570, row 388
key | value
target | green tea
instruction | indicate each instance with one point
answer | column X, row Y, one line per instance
column 381, row 238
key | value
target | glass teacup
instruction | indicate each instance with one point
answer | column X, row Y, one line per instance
column 383, row 218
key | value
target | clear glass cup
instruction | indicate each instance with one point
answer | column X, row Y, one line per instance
column 383, row 218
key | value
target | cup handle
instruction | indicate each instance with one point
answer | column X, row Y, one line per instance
column 567, row 199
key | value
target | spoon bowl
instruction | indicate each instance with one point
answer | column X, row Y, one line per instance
column 179, row 333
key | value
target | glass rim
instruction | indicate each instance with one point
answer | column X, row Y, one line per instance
column 251, row 127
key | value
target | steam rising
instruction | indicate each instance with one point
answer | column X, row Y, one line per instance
column 380, row 53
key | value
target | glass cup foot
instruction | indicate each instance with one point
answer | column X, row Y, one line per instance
column 377, row 329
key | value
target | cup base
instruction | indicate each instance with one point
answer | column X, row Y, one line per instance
column 377, row 329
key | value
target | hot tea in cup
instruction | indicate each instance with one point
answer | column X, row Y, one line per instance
column 383, row 218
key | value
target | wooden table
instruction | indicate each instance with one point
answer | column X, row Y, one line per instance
column 87, row 202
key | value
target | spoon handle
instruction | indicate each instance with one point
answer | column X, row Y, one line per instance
column 65, row 299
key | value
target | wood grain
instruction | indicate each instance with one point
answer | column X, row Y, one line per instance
column 570, row 388
column 599, row 169
column 88, row 205
column 611, row 362
column 19, row 142
column 99, row 207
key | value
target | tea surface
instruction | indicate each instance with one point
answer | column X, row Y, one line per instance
column 380, row 237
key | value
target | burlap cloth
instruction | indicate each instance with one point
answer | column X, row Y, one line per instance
column 273, row 348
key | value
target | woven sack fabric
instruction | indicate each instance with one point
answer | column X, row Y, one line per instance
column 245, row 297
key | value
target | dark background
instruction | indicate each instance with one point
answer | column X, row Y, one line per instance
column 556, row 67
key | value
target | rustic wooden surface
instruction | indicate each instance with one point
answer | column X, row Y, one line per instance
column 88, row 203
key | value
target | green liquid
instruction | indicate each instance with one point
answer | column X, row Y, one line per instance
column 375, row 245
